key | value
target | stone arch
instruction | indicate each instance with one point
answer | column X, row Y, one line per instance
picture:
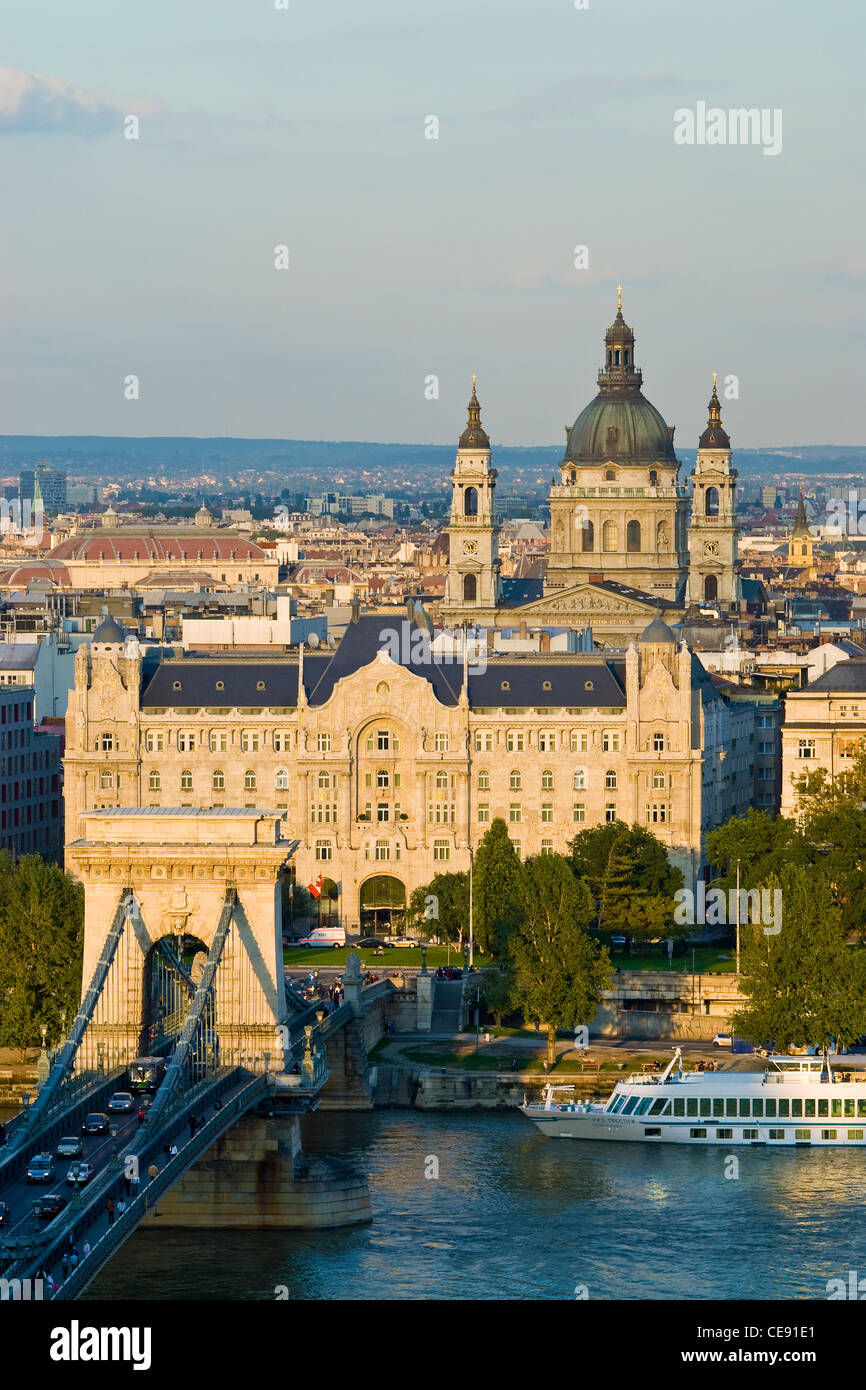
column 470, row 502
column 382, row 905
column 632, row 537
column 470, row 588
column 711, row 502
column 711, row 588
column 608, row 536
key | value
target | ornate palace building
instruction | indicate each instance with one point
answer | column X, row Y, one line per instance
column 622, row 545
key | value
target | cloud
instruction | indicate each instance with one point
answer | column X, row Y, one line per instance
column 34, row 102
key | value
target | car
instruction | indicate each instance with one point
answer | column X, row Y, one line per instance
column 618, row 941
column 95, row 1123
column 722, row 1040
column 70, row 1147
column 405, row 941
column 5, row 1214
column 370, row 943
column 49, row 1205
column 121, row 1103
column 80, row 1173
column 41, row 1169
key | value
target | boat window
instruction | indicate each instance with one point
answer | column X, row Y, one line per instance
column 724, row 1134
column 679, row 1106
column 796, row 1108
column 630, row 1105
column 651, row 1133
column 770, row 1109
column 705, row 1105
column 750, row 1134
column 758, row 1109
column 783, row 1109
column 849, row 1109
column 644, row 1106
column 659, row 1106
column 836, row 1109
column 828, row 1134
column 809, row 1111
column 861, row 1109
column 730, row 1106
column 620, row 1102
column 692, row 1105
column 801, row 1134
column 855, row 1134
column 777, row 1134
column 718, row 1106
column 744, row 1108
column 697, row 1134
column 823, row 1109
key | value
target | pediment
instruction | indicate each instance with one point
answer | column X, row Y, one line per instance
column 590, row 601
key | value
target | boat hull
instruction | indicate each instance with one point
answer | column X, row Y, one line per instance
column 571, row 1125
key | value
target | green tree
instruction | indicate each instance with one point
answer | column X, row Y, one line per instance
column 803, row 985
column 41, row 949
column 629, row 876
column 497, row 991
column 559, row 972
column 763, row 845
column 441, row 907
column 496, row 890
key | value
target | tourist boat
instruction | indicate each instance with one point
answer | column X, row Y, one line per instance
column 794, row 1100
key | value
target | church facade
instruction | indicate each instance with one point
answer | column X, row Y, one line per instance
column 628, row 538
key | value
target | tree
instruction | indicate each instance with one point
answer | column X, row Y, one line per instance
column 763, row 845
column 441, row 907
column 497, row 991
column 496, row 890
column 629, row 876
column 559, row 972
column 803, row 984
column 41, row 949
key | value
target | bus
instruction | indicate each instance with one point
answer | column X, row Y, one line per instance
column 145, row 1074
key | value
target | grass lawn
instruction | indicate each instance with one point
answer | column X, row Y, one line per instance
column 393, row 958
column 708, row 960
column 485, row 1060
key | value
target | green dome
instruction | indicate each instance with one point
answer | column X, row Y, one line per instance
column 640, row 433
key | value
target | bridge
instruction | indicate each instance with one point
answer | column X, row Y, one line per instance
column 245, row 1056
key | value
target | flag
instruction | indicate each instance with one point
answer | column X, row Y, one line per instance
column 316, row 888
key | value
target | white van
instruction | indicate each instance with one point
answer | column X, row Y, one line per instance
column 324, row 936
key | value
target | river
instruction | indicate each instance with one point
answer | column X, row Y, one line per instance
column 515, row 1215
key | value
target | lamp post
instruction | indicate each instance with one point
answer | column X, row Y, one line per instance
column 115, row 1156
column 471, row 930
column 738, row 918
column 423, row 957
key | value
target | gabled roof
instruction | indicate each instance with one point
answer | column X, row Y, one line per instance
column 845, row 676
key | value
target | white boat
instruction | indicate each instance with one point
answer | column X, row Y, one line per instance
column 794, row 1100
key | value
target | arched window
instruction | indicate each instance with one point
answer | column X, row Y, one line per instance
column 106, row 781
column 632, row 536
column 323, row 781
column 515, row 781
column 610, row 779
column 249, row 781
column 470, row 588
column 588, row 535
column 470, row 502
column 608, row 536
column 547, row 780
column 711, row 588
column 219, row 780
column 580, row 779
column 281, row 779
column 441, row 780
column 186, row 780
column 154, row 782
column 711, row 502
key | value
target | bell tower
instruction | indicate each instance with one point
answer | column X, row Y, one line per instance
column 472, row 591
column 714, row 566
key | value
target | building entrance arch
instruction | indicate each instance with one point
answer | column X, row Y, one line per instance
column 382, row 906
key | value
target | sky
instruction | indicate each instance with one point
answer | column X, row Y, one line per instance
column 413, row 258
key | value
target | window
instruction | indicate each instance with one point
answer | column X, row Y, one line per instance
column 282, row 740
column 515, row 741
column 441, row 813
column 484, row 781
column 855, row 1134
column 249, row 780
column 806, row 748
column 580, row 779
column 154, row 782
column 515, row 781
column 106, row 780
column 632, row 537
column 578, row 742
column 186, row 741
column 547, row 741
column 697, row 1134
column 724, row 1134
column 323, row 743
column 219, row 781
column 515, row 813
column 579, row 812
column 658, row 781
column 383, row 740
column 250, row 739
column 186, row 780
column 323, row 781
column 750, row 1133
column 776, row 1133
column 546, row 812
column 383, row 849
column 610, row 779
column 658, row 743
column 323, row 849
column 588, row 535
column 154, row 741
column 440, row 743
column 484, row 812
column 610, row 741
column 441, row 780
column 218, row 741
column 441, row 850
column 712, row 502
column 483, row 741
column 610, row 812
column 658, row 813
column 470, row 502
column 383, row 811
column 608, row 536
column 547, row 780
column 281, row 779
column 106, row 742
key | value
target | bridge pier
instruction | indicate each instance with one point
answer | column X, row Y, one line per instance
column 257, row 1176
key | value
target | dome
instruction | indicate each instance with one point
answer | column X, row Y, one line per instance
column 658, row 631
column 109, row 631
column 474, row 436
column 641, row 435
column 714, row 436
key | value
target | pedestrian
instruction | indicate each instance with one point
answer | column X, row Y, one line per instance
column 85, row 1249
column 73, row 1259
column 153, row 1172
column 172, row 1152
column 64, row 1265
column 217, row 1105
column 109, row 1207
column 133, row 1186
column 121, row 1207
